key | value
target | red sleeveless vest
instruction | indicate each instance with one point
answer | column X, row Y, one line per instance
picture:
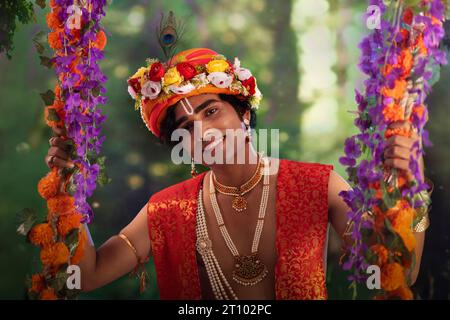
column 301, row 222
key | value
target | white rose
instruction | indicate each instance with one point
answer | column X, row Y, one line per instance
column 243, row 74
column 151, row 89
column 220, row 79
column 131, row 92
column 182, row 89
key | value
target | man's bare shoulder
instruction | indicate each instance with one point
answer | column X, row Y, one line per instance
column 183, row 188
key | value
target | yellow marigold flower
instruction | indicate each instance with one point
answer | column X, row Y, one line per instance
column 140, row 72
column 41, row 234
column 217, row 66
column 172, row 77
column 48, row 294
column 392, row 276
column 55, row 255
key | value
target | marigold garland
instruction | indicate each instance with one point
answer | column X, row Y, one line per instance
column 402, row 60
column 73, row 106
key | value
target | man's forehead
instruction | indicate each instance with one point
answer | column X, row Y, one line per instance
column 186, row 106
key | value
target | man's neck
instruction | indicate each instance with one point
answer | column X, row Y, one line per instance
column 235, row 174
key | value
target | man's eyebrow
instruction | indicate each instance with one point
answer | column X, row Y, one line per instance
column 199, row 108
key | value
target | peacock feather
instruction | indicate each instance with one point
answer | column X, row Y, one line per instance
column 169, row 34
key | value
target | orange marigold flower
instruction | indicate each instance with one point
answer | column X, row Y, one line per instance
column 408, row 238
column 60, row 204
column 419, row 111
column 68, row 222
column 57, row 92
column 401, row 215
column 401, row 180
column 397, row 132
column 41, row 235
column 37, row 283
column 53, row 116
column 59, row 106
column 55, row 40
column 406, row 61
column 48, row 294
column 403, row 292
column 392, row 276
column 393, row 112
column 79, row 251
column 419, row 43
column 48, row 186
column 100, row 40
column 55, row 255
column 381, row 252
column 397, row 91
column 53, row 21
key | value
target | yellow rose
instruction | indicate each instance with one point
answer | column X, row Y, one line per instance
column 217, row 66
column 172, row 76
column 139, row 73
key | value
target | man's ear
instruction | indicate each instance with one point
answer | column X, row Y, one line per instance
column 246, row 115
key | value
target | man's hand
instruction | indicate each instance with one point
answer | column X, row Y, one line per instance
column 399, row 150
column 58, row 153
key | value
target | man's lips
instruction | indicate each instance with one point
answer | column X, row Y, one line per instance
column 208, row 145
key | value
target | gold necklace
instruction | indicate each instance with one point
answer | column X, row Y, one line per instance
column 239, row 203
column 248, row 269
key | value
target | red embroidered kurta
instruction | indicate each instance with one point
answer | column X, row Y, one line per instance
column 301, row 222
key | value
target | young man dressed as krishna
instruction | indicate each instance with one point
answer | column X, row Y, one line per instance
column 252, row 229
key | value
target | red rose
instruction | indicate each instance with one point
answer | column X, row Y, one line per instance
column 187, row 70
column 156, row 72
column 408, row 16
column 135, row 84
column 250, row 84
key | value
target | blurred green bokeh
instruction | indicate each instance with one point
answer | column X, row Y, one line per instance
column 304, row 54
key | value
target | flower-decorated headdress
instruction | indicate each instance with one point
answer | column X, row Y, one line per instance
column 192, row 72
column 159, row 85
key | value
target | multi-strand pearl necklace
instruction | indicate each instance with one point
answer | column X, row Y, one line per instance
column 249, row 270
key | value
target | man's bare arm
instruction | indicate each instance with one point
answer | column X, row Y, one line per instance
column 115, row 258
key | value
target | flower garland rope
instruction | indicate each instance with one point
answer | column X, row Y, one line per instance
column 78, row 41
column 402, row 60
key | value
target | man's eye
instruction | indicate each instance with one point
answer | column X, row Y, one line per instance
column 211, row 111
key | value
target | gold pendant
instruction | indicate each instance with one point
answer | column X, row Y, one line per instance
column 239, row 203
column 249, row 270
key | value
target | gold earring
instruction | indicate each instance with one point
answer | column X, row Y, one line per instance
column 248, row 129
column 193, row 169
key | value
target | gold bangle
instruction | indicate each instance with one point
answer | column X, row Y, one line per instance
column 128, row 242
column 423, row 224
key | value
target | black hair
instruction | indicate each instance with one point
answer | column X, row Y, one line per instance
column 239, row 105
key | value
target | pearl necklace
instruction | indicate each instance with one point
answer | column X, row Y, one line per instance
column 248, row 269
